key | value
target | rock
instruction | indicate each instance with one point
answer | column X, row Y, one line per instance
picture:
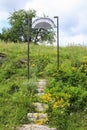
column 2, row 56
column 40, row 90
column 40, row 107
column 42, row 83
column 23, row 61
column 35, row 127
column 40, row 94
column 36, row 116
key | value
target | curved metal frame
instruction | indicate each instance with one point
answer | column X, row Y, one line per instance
column 43, row 23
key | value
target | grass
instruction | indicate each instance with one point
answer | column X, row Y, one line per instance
column 17, row 94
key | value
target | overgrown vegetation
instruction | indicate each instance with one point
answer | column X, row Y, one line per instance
column 66, row 93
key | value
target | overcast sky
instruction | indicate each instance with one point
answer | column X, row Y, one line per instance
column 72, row 16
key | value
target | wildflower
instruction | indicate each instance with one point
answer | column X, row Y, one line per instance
column 46, row 119
column 61, row 101
column 40, row 122
column 58, row 103
column 46, row 97
column 55, row 105
column 36, row 115
column 33, row 65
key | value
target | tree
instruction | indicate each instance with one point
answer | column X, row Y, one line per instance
column 5, row 35
column 18, row 30
column 42, row 35
column 19, row 23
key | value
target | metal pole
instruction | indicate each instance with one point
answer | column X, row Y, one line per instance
column 28, row 51
column 57, row 41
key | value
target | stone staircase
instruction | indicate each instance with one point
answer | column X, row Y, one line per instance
column 39, row 118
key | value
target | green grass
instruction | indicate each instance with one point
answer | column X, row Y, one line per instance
column 17, row 94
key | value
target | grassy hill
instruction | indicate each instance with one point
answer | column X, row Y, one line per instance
column 67, row 87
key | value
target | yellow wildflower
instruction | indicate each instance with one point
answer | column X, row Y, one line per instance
column 33, row 65
column 61, row 101
column 36, row 115
column 55, row 105
column 46, row 119
column 40, row 122
column 46, row 97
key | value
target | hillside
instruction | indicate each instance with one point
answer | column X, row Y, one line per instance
column 66, row 93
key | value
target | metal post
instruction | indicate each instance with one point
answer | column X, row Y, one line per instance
column 28, row 51
column 57, row 40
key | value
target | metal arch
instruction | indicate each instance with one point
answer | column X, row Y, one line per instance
column 49, row 24
column 45, row 23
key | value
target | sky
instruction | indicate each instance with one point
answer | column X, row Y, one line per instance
column 72, row 16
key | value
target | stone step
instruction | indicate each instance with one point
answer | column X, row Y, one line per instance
column 42, row 83
column 40, row 107
column 38, row 118
column 40, row 90
column 34, row 117
column 35, row 127
column 40, row 94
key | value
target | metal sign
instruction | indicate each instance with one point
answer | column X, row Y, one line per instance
column 45, row 23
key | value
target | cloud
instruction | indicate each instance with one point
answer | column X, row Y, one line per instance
column 72, row 15
column 9, row 5
column 62, row 8
column 3, row 15
column 79, row 39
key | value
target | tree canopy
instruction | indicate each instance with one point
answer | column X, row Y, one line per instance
column 18, row 30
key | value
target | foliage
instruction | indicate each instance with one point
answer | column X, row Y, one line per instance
column 43, row 35
column 15, row 102
column 18, row 31
column 67, row 88
column 66, row 92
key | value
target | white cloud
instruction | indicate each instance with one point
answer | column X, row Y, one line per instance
column 72, row 15
column 59, row 7
column 3, row 15
column 77, row 39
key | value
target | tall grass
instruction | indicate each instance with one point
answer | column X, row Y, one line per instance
column 16, row 91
